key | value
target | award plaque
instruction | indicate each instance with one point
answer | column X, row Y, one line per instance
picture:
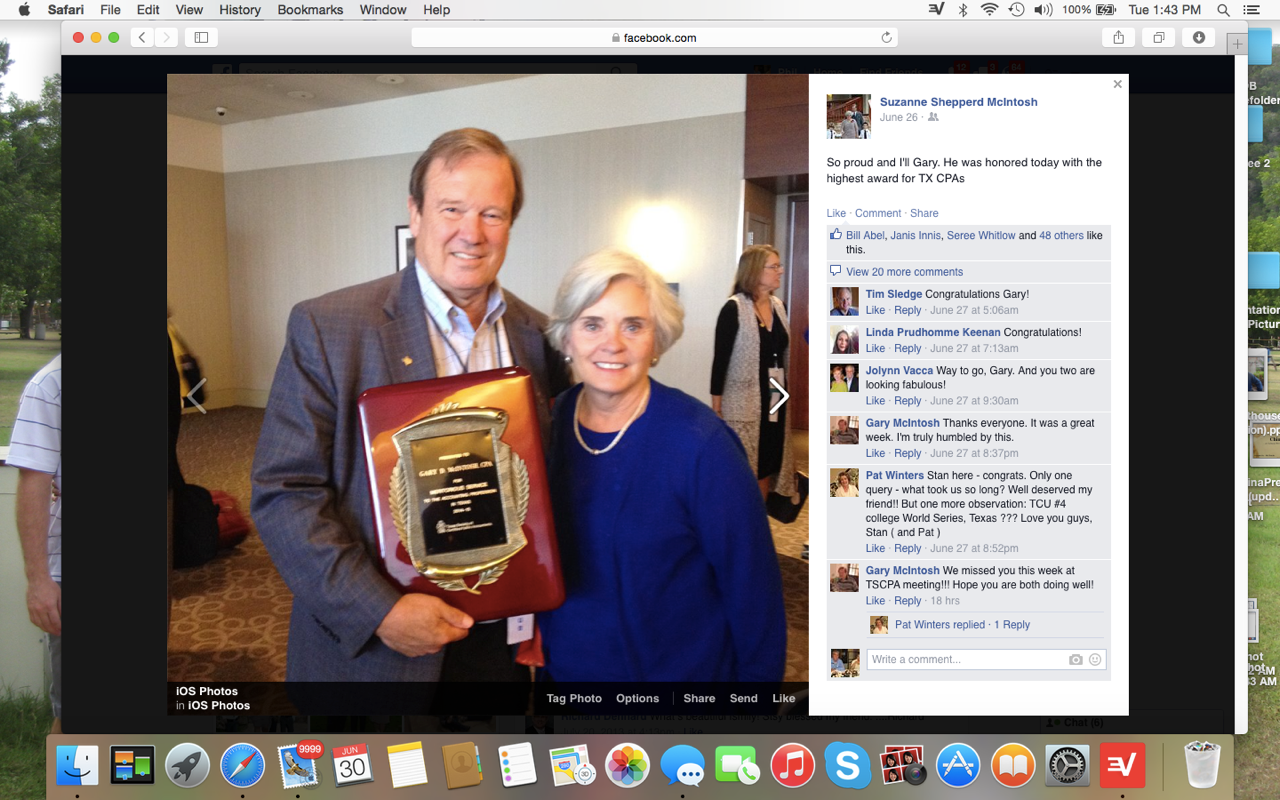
column 459, row 492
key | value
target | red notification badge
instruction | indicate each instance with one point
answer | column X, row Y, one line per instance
column 310, row 748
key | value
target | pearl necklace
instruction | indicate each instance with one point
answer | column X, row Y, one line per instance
column 577, row 431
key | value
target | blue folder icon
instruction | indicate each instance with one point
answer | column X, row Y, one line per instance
column 1264, row 270
column 1260, row 47
column 1255, row 124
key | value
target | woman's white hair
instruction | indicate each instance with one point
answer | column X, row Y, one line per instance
column 586, row 282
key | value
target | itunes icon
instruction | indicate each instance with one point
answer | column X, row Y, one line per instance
column 792, row 765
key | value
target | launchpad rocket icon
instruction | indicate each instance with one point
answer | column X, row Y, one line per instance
column 187, row 765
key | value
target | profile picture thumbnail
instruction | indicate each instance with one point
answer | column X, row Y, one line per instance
column 844, row 377
column 844, row 482
column 845, row 663
column 848, row 116
column 844, row 577
column 844, row 430
column 843, row 340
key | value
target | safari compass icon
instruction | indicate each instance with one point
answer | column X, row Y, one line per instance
column 243, row 765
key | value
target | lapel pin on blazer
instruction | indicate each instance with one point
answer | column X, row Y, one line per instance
column 407, row 361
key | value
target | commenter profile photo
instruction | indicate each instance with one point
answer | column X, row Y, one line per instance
column 848, row 116
column 844, row 576
column 846, row 663
column 844, row 482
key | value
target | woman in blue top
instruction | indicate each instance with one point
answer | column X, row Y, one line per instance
column 670, row 568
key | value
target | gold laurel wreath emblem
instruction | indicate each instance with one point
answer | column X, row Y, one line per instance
column 399, row 496
column 487, row 576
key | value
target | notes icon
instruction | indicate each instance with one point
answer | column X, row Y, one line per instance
column 792, row 765
column 408, row 768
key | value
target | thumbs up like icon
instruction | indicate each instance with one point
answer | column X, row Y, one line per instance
column 835, row 234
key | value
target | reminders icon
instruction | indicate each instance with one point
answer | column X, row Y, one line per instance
column 515, row 762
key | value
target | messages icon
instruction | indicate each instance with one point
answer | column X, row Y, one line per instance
column 729, row 761
column 683, row 763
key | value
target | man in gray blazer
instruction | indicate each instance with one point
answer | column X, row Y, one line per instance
column 443, row 316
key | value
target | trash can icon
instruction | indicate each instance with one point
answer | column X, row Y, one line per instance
column 1202, row 764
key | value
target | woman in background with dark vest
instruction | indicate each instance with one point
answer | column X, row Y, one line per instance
column 752, row 345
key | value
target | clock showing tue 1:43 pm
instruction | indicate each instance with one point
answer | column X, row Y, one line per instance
column 243, row 765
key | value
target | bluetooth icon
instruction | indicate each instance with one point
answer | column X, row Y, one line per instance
column 964, row 10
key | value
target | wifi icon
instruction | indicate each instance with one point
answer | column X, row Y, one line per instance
column 990, row 8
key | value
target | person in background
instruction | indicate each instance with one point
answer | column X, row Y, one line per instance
column 753, row 340
column 35, row 448
column 837, row 664
column 655, row 505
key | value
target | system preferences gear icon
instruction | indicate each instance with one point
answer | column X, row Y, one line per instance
column 1067, row 765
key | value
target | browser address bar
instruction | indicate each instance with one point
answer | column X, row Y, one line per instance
column 621, row 36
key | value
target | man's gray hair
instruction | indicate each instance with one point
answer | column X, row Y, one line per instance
column 586, row 282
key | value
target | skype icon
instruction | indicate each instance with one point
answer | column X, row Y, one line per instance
column 848, row 765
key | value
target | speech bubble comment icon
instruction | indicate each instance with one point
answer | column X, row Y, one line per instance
column 683, row 763
column 689, row 774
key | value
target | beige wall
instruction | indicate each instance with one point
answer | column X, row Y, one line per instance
column 197, row 272
column 197, row 255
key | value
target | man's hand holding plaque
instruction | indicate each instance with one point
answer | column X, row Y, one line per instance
column 420, row 624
